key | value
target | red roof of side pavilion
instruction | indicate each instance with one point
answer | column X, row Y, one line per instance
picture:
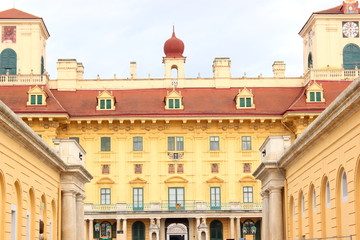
column 14, row 13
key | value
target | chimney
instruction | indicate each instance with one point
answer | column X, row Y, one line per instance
column 279, row 69
column 132, row 70
column 221, row 68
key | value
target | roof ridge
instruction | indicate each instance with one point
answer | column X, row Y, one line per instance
column 14, row 13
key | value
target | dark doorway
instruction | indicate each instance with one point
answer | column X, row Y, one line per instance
column 177, row 237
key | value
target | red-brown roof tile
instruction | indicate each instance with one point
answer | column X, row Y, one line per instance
column 14, row 13
column 334, row 10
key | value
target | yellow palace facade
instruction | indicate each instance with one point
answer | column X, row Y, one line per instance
column 172, row 158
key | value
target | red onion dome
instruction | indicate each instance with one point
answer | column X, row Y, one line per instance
column 174, row 47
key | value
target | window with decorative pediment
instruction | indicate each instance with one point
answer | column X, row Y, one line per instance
column 106, row 101
column 36, row 97
column 245, row 99
column 315, row 93
column 173, row 100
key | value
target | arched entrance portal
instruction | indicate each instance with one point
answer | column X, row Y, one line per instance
column 216, row 230
column 177, row 231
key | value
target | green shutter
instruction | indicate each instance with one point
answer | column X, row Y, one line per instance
column 312, row 96
column 242, row 102
column 102, row 104
column 8, row 62
column 351, row 56
column 171, row 103
column 39, row 99
column 177, row 103
column 318, row 96
column 248, row 102
column 33, row 99
column 108, row 104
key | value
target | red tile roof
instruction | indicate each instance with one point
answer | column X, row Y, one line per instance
column 14, row 13
column 334, row 10
column 204, row 102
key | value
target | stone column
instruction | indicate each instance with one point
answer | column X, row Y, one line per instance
column 158, row 223
column 238, row 230
column 91, row 229
column 124, row 229
column 232, row 235
column 276, row 215
column 117, row 228
column 68, row 213
column 265, row 216
column 80, row 217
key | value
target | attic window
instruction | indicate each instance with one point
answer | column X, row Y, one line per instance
column 245, row 99
column 36, row 97
column 173, row 100
column 315, row 93
column 106, row 101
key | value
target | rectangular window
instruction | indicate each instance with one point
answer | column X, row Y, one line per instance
column 180, row 168
column 175, row 143
column 214, row 143
column 312, row 96
column 177, row 103
column 242, row 102
column 105, row 169
column 102, row 104
column 105, row 196
column 39, row 99
column 245, row 102
column 171, row 103
column 247, row 168
column 138, row 199
column 318, row 96
column 108, row 103
column 137, row 143
column 248, row 194
column 171, row 168
column 33, row 99
column 215, row 198
column 176, row 198
column 248, row 102
column 246, row 142
column 105, row 144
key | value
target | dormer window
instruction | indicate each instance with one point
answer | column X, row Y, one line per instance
column 245, row 99
column 174, row 100
column 315, row 93
column 106, row 101
column 36, row 97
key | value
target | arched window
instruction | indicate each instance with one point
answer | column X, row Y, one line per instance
column 344, row 188
column 216, row 230
column 8, row 62
column 138, row 231
column 105, row 230
column 310, row 61
column 327, row 190
column 351, row 56
column 42, row 65
column 314, row 200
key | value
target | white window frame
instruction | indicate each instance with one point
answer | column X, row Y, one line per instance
column 105, row 196
column 214, row 143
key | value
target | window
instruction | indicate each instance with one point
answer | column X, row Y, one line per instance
column 176, row 198
column 246, row 142
column 174, row 100
column 138, row 168
column 138, row 199
column 105, row 196
column 214, row 143
column 215, row 198
column 105, row 144
column 245, row 102
column 328, row 194
column 106, row 101
column 105, row 230
column 351, row 56
column 36, row 96
column 314, row 200
column 315, row 96
column 8, row 62
column 171, row 168
column 344, row 188
column 137, row 143
column 245, row 99
column 175, row 144
column 36, row 99
column 180, row 168
column 248, row 194
column 214, row 168
column 105, row 169
column 302, row 204
column 247, row 168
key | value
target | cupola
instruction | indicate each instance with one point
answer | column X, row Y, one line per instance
column 174, row 47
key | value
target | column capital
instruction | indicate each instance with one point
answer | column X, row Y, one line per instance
column 276, row 189
column 265, row 194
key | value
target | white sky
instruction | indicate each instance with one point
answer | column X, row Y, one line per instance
column 105, row 35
